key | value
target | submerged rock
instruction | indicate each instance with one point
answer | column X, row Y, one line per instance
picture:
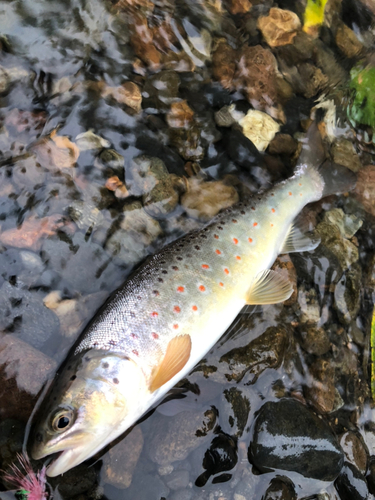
column 204, row 200
column 355, row 450
column 136, row 232
column 266, row 351
column 280, row 488
column 234, row 411
column 121, row 460
column 260, row 128
column 279, row 27
column 348, row 293
column 351, row 484
column 289, row 437
column 365, row 188
column 321, row 389
column 23, row 371
column 173, row 438
column 19, row 307
column 343, row 153
column 220, row 457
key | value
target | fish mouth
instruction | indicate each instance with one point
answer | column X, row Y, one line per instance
column 61, row 462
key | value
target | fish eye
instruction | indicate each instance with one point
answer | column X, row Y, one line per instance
column 62, row 419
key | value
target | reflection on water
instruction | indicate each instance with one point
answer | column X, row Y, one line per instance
column 127, row 124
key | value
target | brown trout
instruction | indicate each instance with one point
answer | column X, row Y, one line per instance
column 174, row 308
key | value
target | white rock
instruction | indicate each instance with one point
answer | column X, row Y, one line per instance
column 259, row 127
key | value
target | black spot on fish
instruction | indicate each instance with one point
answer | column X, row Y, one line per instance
column 105, row 365
column 39, row 437
column 197, row 247
column 69, row 367
column 155, row 292
column 115, row 380
column 175, row 268
column 204, row 236
column 160, row 280
column 112, row 342
column 243, row 212
column 162, row 262
column 165, row 272
column 220, row 228
column 73, row 377
column 87, row 359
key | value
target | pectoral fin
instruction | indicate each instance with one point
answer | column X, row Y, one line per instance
column 299, row 239
column 269, row 288
column 176, row 356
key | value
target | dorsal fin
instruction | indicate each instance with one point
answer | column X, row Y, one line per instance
column 176, row 356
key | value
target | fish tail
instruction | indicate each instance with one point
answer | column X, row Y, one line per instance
column 335, row 178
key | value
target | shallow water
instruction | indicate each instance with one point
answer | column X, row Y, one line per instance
column 78, row 215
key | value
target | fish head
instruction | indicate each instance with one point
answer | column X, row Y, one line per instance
column 95, row 398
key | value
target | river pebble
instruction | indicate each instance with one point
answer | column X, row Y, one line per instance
column 290, row 437
column 351, row 484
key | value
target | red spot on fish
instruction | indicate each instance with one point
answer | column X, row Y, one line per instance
column 134, row 351
column 154, row 335
column 177, row 309
column 195, row 308
column 180, row 289
column 300, row 194
column 133, row 336
column 175, row 326
column 221, row 284
column 255, row 224
column 226, row 271
column 299, row 184
column 202, row 288
column 271, row 225
column 218, row 252
column 273, row 210
column 235, row 241
column 216, row 236
column 290, row 193
column 252, row 208
column 205, row 266
column 238, row 257
column 154, row 314
column 250, row 240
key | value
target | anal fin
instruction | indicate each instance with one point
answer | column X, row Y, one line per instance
column 175, row 358
column 269, row 287
column 299, row 239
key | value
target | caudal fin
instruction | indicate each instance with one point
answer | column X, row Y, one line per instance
column 337, row 178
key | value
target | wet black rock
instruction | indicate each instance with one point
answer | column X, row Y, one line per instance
column 248, row 362
column 351, row 484
column 234, row 411
column 241, row 150
column 220, row 457
column 289, row 437
column 371, row 476
column 280, row 488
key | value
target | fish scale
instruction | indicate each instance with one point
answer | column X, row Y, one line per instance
column 172, row 310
